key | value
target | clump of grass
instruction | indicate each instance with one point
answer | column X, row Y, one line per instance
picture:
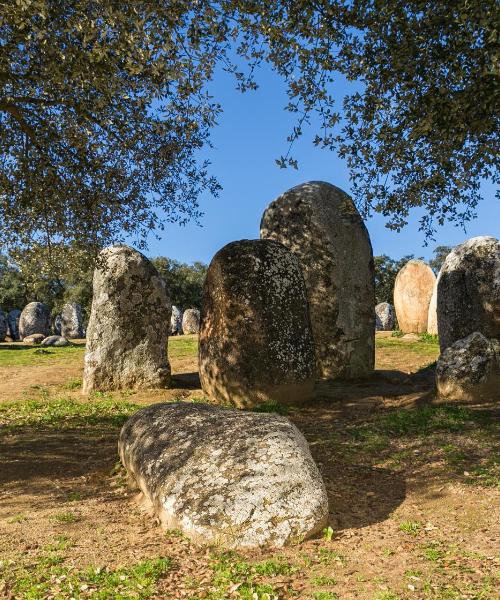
column 429, row 338
column 411, row 527
column 73, row 384
column 323, row 580
column 272, row 407
column 326, row 556
column 397, row 333
column 325, row 596
column 230, row 569
column 66, row 517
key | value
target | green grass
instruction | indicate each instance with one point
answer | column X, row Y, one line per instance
column 65, row 413
column 325, row 596
column 427, row 345
column 12, row 355
column 411, row 527
column 272, row 406
column 16, row 355
column 182, row 346
column 49, row 577
column 230, row 570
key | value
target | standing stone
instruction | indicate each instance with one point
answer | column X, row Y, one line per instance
column 191, row 321
column 71, row 321
column 35, row 318
column 469, row 370
column 319, row 223
column 231, row 477
column 56, row 325
column 412, row 295
column 176, row 321
column 3, row 326
column 13, row 324
column 256, row 343
column 384, row 316
column 432, row 322
column 127, row 334
column 469, row 291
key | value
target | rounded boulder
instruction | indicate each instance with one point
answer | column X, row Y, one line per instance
column 320, row 224
column 35, row 318
column 412, row 295
column 469, row 370
column 256, row 343
column 222, row 476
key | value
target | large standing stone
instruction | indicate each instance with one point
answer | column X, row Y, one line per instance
column 3, row 326
column 384, row 316
column 319, row 223
column 256, row 343
column 469, row 291
column 35, row 318
column 13, row 324
column 469, row 369
column 127, row 333
column 432, row 322
column 412, row 295
column 71, row 321
column 176, row 321
column 191, row 321
column 225, row 476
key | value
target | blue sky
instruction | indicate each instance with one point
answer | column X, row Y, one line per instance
column 251, row 134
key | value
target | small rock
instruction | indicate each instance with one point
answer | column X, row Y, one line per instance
column 35, row 338
column 470, row 369
column 55, row 340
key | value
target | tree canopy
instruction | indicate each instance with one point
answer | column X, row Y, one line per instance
column 104, row 106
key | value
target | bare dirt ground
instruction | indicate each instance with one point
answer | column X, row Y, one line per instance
column 412, row 491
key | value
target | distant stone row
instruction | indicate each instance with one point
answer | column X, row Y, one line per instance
column 33, row 324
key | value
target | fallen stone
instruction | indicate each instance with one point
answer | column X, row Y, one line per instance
column 55, row 340
column 35, row 338
column 221, row 476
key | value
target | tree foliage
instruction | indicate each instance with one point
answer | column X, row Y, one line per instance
column 386, row 270
column 104, row 105
column 184, row 282
column 440, row 253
